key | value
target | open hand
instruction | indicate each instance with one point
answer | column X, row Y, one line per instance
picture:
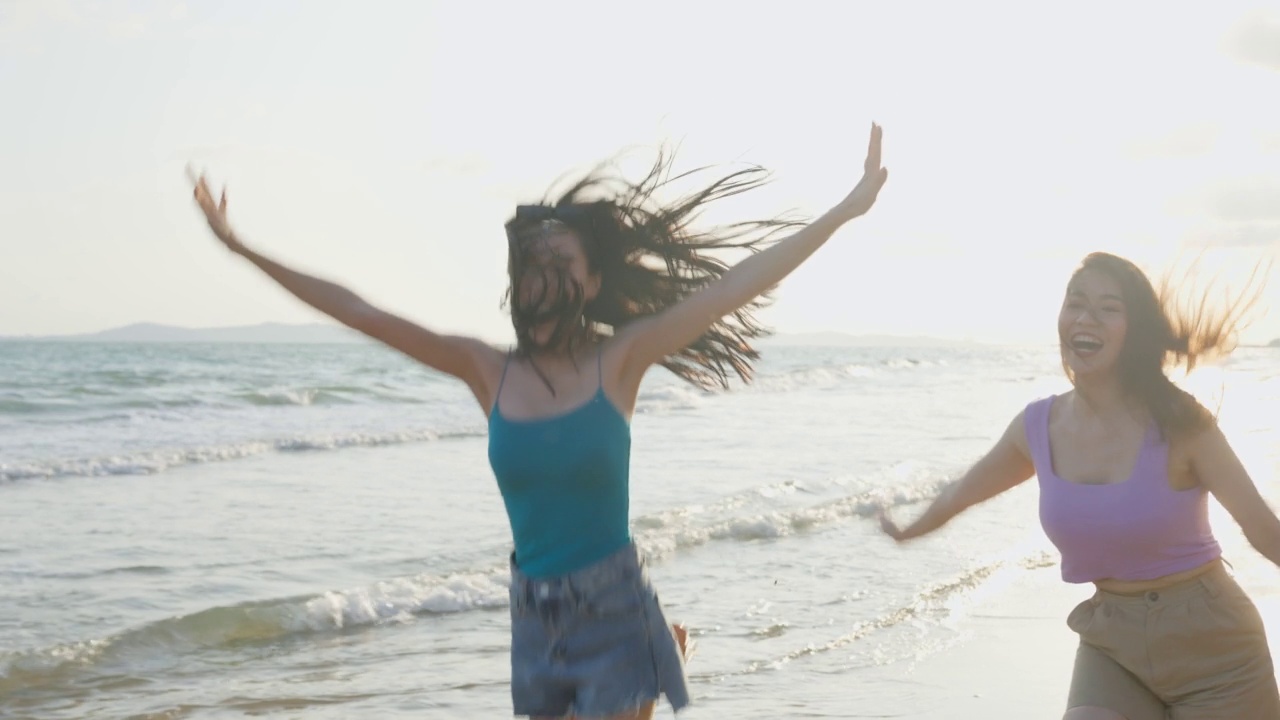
column 864, row 194
column 214, row 213
column 889, row 527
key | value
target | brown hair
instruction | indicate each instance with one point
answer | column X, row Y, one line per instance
column 1166, row 330
column 650, row 255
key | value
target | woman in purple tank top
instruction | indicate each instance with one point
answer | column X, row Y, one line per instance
column 1125, row 462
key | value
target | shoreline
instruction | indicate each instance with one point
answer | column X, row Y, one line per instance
column 1014, row 657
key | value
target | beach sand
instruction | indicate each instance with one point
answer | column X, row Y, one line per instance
column 1014, row 658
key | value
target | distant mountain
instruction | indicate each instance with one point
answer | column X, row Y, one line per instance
column 322, row 333
column 263, row 333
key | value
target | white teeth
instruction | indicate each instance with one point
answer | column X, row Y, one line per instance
column 1085, row 343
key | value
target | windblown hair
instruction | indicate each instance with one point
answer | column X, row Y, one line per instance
column 650, row 256
column 1167, row 330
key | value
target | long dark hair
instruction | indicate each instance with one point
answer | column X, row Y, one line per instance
column 1167, row 330
column 649, row 256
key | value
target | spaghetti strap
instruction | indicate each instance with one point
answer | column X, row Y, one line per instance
column 502, row 380
column 600, row 366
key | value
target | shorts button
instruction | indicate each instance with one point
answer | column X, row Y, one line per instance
column 545, row 591
column 1153, row 596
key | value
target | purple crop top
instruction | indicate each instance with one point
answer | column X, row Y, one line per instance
column 1139, row 529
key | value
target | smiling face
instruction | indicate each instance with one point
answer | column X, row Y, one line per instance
column 1092, row 324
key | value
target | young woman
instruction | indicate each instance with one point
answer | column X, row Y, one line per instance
column 605, row 283
column 1125, row 462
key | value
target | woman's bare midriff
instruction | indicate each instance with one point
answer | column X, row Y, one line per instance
column 1137, row 587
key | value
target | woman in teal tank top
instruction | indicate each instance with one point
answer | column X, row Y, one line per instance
column 604, row 283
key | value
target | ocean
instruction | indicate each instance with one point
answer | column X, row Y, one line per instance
column 313, row 531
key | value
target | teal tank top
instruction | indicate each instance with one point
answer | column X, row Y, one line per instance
column 564, row 481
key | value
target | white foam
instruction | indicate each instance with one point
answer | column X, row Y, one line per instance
column 158, row 461
column 944, row 597
column 680, row 531
column 400, row 599
column 392, row 601
column 816, row 376
column 49, row 660
column 668, row 398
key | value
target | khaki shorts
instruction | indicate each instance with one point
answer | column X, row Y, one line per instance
column 1196, row 650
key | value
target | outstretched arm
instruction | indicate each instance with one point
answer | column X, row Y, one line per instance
column 465, row 358
column 650, row 340
column 1220, row 471
column 1004, row 467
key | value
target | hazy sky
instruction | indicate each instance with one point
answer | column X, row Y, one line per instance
column 383, row 144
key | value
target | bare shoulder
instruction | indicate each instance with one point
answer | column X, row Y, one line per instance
column 480, row 349
column 1015, row 435
column 620, row 376
column 1199, row 456
column 1207, row 439
column 487, row 358
column 1048, row 409
column 486, row 363
column 614, row 351
column 625, row 335
column 1199, row 447
column 617, row 348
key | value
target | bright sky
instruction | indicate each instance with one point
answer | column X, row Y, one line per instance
column 383, row 144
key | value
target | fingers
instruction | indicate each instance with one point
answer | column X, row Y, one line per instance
column 873, row 149
column 877, row 179
column 888, row 526
column 199, row 184
column 203, row 194
column 871, row 183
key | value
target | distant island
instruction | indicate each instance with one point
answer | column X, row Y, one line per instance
column 1274, row 343
column 261, row 333
column 322, row 333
